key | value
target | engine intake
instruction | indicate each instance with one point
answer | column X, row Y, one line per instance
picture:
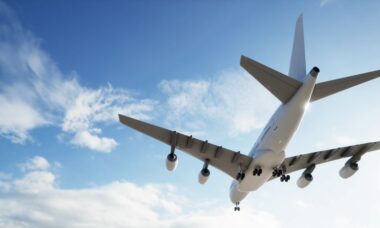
column 348, row 170
column 171, row 162
column 306, row 178
column 203, row 175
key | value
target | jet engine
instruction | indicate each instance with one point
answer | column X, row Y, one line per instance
column 348, row 169
column 171, row 161
column 304, row 180
column 203, row 175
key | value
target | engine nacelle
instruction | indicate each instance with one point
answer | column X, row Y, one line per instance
column 171, row 162
column 203, row 176
column 348, row 170
column 304, row 180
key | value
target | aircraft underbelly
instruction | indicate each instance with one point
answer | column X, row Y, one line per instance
column 267, row 161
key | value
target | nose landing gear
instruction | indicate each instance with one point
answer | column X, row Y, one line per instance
column 237, row 208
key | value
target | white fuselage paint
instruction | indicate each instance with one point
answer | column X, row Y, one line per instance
column 268, row 151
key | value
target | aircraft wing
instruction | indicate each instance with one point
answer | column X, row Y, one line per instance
column 228, row 161
column 303, row 161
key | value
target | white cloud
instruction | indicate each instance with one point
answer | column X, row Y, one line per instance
column 93, row 141
column 17, row 117
column 36, row 201
column 5, row 176
column 4, row 187
column 35, row 182
column 232, row 98
column 343, row 221
column 96, row 106
column 34, row 92
column 35, row 163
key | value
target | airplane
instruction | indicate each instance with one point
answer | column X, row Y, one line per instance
column 266, row 160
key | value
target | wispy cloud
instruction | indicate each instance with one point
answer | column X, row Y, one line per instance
column 34, row 92
column 35, row 200
column 231, row 98
column 35, row 163
column 323, row 3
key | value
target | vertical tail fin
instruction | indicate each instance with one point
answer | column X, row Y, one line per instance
column 298, row 63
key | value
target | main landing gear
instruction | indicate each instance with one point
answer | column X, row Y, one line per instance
column 280, row 173
column 257, row 172
column 285, row 178
column 237, row 208
column 240, row 176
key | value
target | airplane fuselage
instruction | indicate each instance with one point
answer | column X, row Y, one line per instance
column 269, row 150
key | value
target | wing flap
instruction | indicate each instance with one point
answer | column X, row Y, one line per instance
column 228, row 161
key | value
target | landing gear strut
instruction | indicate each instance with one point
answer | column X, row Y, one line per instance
column 240, row 176
column 257, row 172
column 237, row 208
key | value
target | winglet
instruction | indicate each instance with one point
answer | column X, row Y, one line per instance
column 298, row 62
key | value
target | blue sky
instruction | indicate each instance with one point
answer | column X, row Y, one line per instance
column 68, row 67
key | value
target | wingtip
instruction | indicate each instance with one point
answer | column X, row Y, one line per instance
column 242, row 59
column 120, row 116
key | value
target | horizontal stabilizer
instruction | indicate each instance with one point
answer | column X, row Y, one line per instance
column 280, row 85
column 328, row 88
